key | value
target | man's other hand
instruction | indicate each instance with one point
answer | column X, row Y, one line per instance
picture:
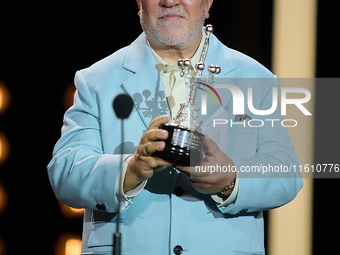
column 211, row 182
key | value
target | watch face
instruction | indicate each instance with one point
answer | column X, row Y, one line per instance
column 226, row 192
column 228, row 189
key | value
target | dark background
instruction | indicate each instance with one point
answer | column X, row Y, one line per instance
column 42, row 45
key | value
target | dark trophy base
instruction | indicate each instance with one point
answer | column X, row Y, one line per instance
column 182, row 144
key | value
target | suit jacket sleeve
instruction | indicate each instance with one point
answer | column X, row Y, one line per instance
column 80, row 173
column 259, row 188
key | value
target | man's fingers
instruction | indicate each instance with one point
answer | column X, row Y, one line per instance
column 153, row 132
column 192, row 172
column 184, row 169
column 152, row 162
column 200, row 186
column 149, row 148
column 155, row 123
column 154, row 135
column 209, row 146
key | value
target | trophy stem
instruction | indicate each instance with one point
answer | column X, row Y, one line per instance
column 184, row 143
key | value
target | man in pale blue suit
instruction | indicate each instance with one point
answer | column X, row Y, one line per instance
column 165, row 209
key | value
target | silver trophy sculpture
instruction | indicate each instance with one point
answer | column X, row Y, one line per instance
column 184, row 143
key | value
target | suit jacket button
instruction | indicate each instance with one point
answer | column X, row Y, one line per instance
column 101, row 207
column 179, row 191
column 178, row 249
column 243, row 211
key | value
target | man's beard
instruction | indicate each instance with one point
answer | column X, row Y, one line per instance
column 172, row 33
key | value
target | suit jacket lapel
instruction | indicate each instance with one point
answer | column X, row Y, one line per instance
column 220, row 55
column 145, row 86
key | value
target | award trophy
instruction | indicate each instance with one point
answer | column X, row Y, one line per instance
column 184, row 143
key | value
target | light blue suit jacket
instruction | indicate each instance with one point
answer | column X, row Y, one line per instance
column 85, row 165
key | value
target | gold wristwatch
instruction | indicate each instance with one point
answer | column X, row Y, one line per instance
column 228, row 189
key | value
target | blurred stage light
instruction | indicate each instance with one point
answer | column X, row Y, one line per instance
column 3, row 198
column 68, row 244
column 2, row 247
column 70, row 212
column 5, row 97
column 68, row 96
column 73, row 247
column 4, row 148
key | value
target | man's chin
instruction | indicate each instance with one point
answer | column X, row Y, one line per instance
column 172, row 40
column 171, row 33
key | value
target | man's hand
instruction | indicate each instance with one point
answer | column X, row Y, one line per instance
column 211, row 182
column 142, row 164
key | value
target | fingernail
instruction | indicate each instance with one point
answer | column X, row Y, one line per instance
column 164, row 133
column 160, row 145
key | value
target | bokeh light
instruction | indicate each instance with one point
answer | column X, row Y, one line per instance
column 68, row 244
column 3, row 198
column 4, row 148
column 70, row 212
column 5, row 97
column 68, row 96
column 2, row 247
